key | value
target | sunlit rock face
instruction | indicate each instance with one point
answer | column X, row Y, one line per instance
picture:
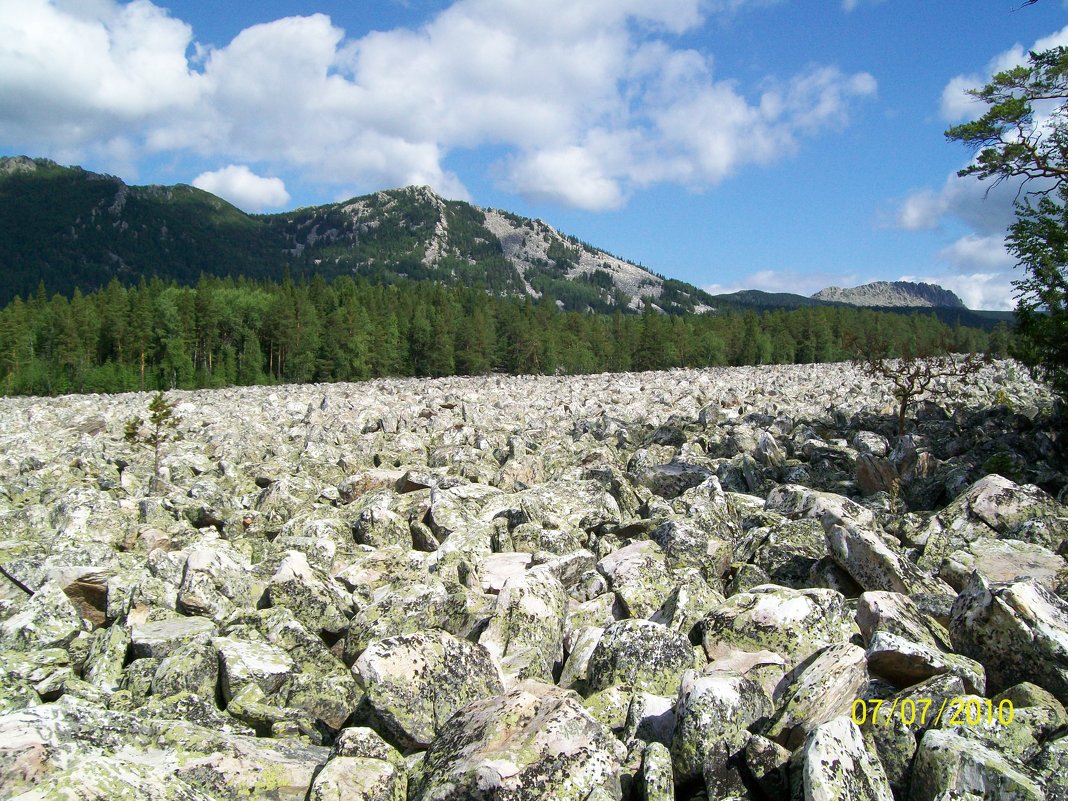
column 686, row 584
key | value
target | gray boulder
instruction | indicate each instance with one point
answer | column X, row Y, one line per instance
column 792, row 623
column 525, row 635
column 641, row 654
column 1015, row 630
column 534, row 742
column 838, row 766
column 415, row 682
column 713, row 714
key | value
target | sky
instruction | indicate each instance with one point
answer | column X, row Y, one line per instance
column 782, row 145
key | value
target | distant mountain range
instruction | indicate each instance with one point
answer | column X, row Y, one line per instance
column 894, row 294
column 954, row 314
column 75, row 229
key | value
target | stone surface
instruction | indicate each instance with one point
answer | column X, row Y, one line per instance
column 838, row 767
column 415, row 682
column 1016, row 630
column 343, row 591
column 534, row 742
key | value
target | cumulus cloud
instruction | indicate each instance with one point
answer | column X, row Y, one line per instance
column 242, row 187
column 588, row 101
column 974, row 252
column 992, row 291
column 985, row 206
column 798, row 283
column 958, row 105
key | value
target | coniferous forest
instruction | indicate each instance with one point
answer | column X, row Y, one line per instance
column 220, row 332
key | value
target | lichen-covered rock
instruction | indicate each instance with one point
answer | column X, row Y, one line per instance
column 792, row 623
column 246, row 662
column 686, row 545
column 360, row 741
column 642, row 654
column 535, row 742
column 948, row 763
column 157, row 639
column 415, row 682
column 789, row 551
column 713, row 713
column 1000, row 560
column 903, row 662
column 898, row 614
column 359, row 779
column 106, row 656
column 526, row 632
column 582, row 642
column 993, row 508
column 874, row 564
column 47, row 619
column 1015, row 630
column 796, row 502
column 611, row 706
column 315, row 599
column 215, row 582
column 650, row 718
column 838, row 767
column 638, row 574
column 193, row 668
column 657, row 779
column 688, row 603
column 405, row 608
column 767, row 762
column 893, row 729
column 822, row 690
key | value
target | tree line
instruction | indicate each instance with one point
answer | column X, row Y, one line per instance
column 160, row 335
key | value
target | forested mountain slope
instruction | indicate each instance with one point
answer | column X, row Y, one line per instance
column 76, row 229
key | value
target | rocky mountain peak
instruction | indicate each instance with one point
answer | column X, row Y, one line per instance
column 892, row 293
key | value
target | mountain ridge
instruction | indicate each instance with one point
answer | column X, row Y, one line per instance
column 74, row 228
column 899, row 294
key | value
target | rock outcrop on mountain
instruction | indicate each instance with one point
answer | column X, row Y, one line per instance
column 637, row 586
column 900, row 294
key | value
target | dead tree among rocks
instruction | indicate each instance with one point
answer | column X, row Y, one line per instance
column 917, row 374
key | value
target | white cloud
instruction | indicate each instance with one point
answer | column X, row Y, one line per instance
column 973, row 252
column 989, row 291
column 79, row 74
column 851, row 5
column 958, row 105
column 588, row 101
column 985, row 206
column 792, row 281
column 243, row 188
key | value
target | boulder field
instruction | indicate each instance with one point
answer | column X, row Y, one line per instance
column 732, row 583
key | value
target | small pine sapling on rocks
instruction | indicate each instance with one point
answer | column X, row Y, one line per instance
column 162, row 426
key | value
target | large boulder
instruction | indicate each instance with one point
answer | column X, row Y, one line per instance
column 792, row 623
column 822, row 690
column 993, row 508
column 950, row 765
column 712, row 716
column 638, row 574
column 535, row 742
column 315, row 599
column 526, row 632
column 641, row 654
column 1015, row 629
column 415, row 682
column 837, row 766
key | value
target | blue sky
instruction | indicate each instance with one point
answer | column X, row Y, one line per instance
column 783, row 145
